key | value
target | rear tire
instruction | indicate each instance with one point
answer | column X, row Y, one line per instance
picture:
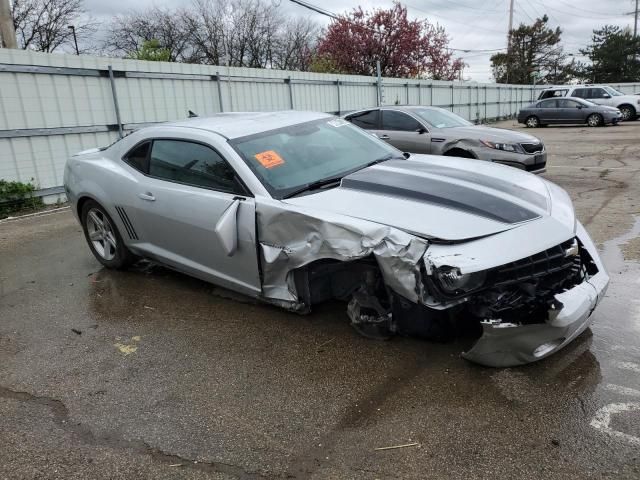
column 595, row 120
column 532, row 122
column 103, row 237
column 628, row 113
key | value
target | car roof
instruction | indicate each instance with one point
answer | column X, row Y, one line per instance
column 239, row 124
column 405, row 108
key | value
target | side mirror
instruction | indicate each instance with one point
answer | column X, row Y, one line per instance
column 406, row 155
column 421, row 130
column 606, row 95
column 580, row 107
column 226, row 229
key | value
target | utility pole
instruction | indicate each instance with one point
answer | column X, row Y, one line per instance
column 7, row 32
column 75, row 40
column 509, row 38
column 635, row 22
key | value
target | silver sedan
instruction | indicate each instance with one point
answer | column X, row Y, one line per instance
column 437, row 131
column 298, row 208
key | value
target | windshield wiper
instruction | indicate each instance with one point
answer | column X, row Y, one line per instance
column 335, row 181
column 324, row 183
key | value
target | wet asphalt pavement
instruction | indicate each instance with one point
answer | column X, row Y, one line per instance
column 152, row 374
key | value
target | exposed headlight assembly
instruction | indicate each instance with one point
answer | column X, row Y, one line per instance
column 453, row 282
column 507, row 147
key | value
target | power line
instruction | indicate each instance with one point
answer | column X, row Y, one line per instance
column 574, row 14
column 335, row 16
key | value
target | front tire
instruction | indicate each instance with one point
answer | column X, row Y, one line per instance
column 532, row 122
column 595, row 120
column 103, row 237
column 628, row 113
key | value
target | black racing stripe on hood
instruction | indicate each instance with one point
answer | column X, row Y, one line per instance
column 437, row 192
column 477, row 178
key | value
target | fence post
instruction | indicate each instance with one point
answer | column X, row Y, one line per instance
column 485, row 104
column 338, row 87
column 419, row 94
column 431, row 94
column 219, row 91
column 115, row 101
column 406, row 87
column 288, row 81
column 378, row 83
column 452, row 97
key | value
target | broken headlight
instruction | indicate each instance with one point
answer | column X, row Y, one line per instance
column 452, row 281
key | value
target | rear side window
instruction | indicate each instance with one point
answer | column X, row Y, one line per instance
column 553, row 93
column 581, row 93
column 367, row 120
column 138, row 158
column 192, row 164
column 392, row 120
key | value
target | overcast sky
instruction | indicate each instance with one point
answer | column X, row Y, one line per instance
column 471, row 24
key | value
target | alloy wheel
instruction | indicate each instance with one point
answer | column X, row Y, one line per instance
column 594, row 120
column 101, row 234
column 627, row 113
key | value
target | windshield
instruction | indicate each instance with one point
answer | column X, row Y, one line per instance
column 441, row 118
column 290, row 158
column 613, row 92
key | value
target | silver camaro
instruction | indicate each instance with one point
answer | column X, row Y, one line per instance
column 297, row 208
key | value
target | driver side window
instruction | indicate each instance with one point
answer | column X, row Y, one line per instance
column 192, row 164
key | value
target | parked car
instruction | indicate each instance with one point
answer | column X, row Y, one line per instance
column 440, row 132
column 555, row 111
column 629, row 105
column 298, row 208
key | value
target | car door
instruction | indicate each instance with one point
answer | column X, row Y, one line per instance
column 598, row 95
column 404, row 132
column 548, row 111
column 570, row 111
column 187, row 191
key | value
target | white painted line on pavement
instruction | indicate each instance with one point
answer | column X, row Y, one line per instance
column 634, row 367
column 623, row 390
column 602, row 419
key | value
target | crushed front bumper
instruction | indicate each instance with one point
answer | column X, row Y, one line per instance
column 507, row 345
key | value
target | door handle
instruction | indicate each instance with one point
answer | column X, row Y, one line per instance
column 148, row 196
column 384, row 137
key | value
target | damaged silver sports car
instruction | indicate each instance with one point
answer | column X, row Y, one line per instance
column 298, row 208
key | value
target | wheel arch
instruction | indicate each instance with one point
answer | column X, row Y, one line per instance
column 458, row 151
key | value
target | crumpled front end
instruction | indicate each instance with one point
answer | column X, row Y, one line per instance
column 533, row 307
column 524, row 293
column 292, row 237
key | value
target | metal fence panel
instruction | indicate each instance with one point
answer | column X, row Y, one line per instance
column 53, row 106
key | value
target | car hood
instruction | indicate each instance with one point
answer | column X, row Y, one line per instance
column 441, row 198
column 487, row 133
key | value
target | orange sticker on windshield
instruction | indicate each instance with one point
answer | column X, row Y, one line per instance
column 269, row 159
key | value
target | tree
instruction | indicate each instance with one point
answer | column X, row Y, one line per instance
column 535, row 51
column 151, row 50
column 43, row 25
column 128, row 33
column 242, row 33
column 614, row 54
column 405, row 48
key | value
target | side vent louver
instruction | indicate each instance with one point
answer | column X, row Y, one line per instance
column 127, row 223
